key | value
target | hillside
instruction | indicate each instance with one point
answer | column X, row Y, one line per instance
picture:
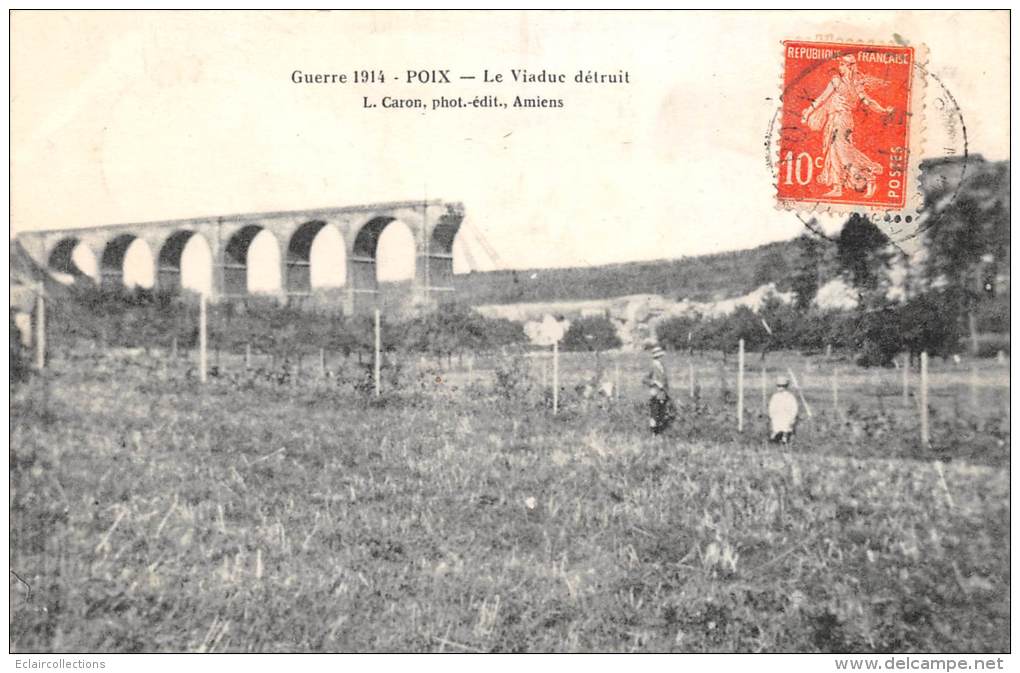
column 722, row 275
column 704, row 278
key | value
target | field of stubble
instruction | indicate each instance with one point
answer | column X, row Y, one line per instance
column 149, row 513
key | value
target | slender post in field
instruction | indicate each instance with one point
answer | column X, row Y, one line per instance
column 740, row 386
column 40, row 330
column 247, row 356
column 690, row 376
column 616, row 379
column 378, row 364
column 556, row 377
column 906, row 380
column 925, row 437
column 173, row 349
column 203, row 356
column 835, row 390
column 764, row 388
column 322, row 362
column 974, row 386
column 803, row 400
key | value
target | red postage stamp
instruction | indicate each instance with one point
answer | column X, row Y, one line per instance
column 849, row 133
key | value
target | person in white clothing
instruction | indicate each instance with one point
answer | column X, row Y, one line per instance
column 783, row 410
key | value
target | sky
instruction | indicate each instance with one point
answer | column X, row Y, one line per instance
column 126, row 117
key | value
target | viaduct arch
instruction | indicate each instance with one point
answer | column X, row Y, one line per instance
column 433, row 224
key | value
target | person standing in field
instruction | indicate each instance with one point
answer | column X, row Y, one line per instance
column 783, row 410
column 660, row 407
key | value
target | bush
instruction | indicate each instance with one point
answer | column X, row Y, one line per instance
column 678, row 333
column 993, row 314
column 878, row 338
column 593, row 333
column 989, row 345
column 931, row 322
column 144, row 318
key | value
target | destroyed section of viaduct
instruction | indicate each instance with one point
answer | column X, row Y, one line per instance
column 433, row 224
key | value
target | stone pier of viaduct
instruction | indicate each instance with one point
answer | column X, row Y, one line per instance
column 433, row 224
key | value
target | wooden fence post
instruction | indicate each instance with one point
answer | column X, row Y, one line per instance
column 906, row 380
column 616, row 379
column 322, row 362
column 974, row 402
column 378, row 364
column 764, row 388
column 800, row 392
column 40, row 330
column 740, row 386
column 690, row 375
column 925, row 437
column 203, row 363
column 556, row 377
column 835, row 390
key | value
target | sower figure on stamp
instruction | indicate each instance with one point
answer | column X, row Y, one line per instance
column 783, row 410
column 660, row 406
column 833, row 113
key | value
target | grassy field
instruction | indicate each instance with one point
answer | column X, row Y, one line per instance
column 455, row 513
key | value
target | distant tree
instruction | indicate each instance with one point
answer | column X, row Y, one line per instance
column 864, row 257
column 965, row 248
column 993, row 314
column 805, row 277
column 743, row 324
column 677, row 333
column 786, row 322
column 504, row 332
column 458, row 329
column 931, row 322
column 877, row 337
column 596, row 333
column 772, row 267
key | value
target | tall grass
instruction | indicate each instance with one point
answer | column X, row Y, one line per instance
column 149, row 513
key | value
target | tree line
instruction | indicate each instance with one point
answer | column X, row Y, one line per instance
column 941, row 301
column 142, row 318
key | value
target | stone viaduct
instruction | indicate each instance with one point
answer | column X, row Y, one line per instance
column 433, row 224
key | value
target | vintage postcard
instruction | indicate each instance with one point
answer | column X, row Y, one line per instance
column 476, row 332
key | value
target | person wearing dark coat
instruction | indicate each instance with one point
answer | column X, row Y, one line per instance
column 660, row 406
